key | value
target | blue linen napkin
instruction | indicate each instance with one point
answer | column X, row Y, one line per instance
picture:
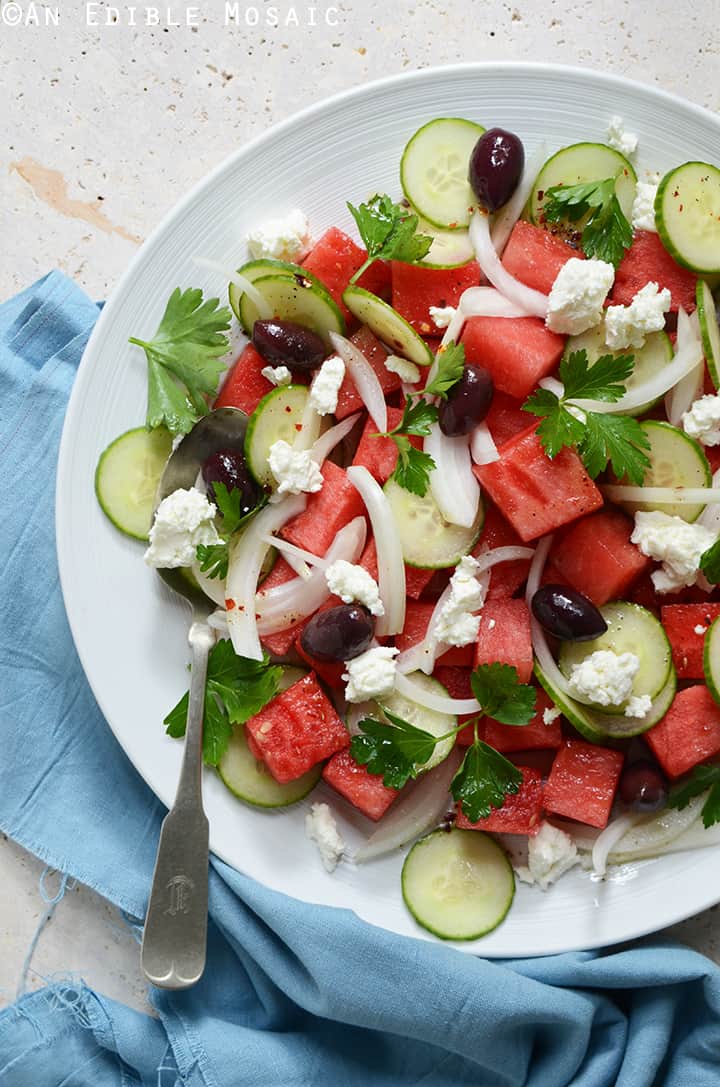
column 293, row 995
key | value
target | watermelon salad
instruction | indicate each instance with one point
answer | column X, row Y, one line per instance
column 465, row 559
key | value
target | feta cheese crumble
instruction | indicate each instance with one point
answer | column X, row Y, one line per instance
column 675, row 543
column 619, row 139
column 550, row 714
column 642, row 215
column 441, row 316
column 551, row 853
column 295, row 470
column 627, row 326
column 700, row 629
column 184, row 520
column 321, row 828
column 277, row 375
column 455, row 623
column 351, row 582
column 371, row 675
column 286, row 238
column 576, row 298
column 702, row 420
column 326, row 385
column 407, row 371
column 638, row 706
column 604, row 677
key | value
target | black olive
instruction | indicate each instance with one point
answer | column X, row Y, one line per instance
column 496, row 165
column 567, row 614
column 289, row 344
column 338, row 634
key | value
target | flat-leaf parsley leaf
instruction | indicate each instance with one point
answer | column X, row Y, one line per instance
column 606, row 233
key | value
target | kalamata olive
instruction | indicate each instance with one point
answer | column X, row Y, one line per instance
column 289, row 344
column 642, row 786
column 338, row 634
column 567, row 614
column 468, row 402
column 228, row 466
column 496, row 165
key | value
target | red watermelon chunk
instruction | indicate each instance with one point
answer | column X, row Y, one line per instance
column 504, row 636
column 456, row 682
column 596, row 557
column 689, row 732
column 536, row 494
column 349, row 399
column 520, row 814
column 535, row 256
column 535, row 736
column 416, row 579
column 298, row 729
column 507, row 577
column 647, row 261
column 517, row 351
column 582, row 782
column 506, row 417
column 364, row 790
column 415, row 288
column 279, row 643
column 245, row 386
column 417, row 618
column 335, row 258
column 327, row 511
column 685, row 626
column 379, row 455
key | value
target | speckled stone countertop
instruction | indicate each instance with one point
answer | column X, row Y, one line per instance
column 106, row 125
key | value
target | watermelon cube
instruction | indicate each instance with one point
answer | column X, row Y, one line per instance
column 298, row 729
column 536, row 494
column 379, row 455
column 506, row 417
column 279, row 643
column 327, row 511
column 689, row 732
column 507, row 577
column 582, row 782
column 535, row 736
column 416, row 579
column 520, row 814
column 364, row 790
column 595, row 556
column 244, row 387
column 335, row 258
column 685, row 626
column 417, row 618
column 517, row 351
column 647, row 261
column 535, row 256
column 415, row 288
column 456, row 682
column 504, row 636
column 349, row 399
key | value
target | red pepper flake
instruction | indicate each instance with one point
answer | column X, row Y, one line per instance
column 298, row 426
column 288, row 409
column 230, row 604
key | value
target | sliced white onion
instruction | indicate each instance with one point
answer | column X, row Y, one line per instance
column 552, row 385
column 482, row 445
column 288, row 549
column 247, row 554
column 309, row 431
column 679, row 399
column 532, row 301
column 488, row 302
column 364, row 378
column 618, row 492
column 539, row 641
column 649, row 836
column 391, row 568
column 710, row 516
column 404, row 685
column 218, row 621
column 325, row 444
column 421, row 807
column 258, row 300
column 213, row 587
column 506, row 218
column 609, row 837
column 453, row 483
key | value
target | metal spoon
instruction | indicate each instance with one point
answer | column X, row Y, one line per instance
column 175, row 935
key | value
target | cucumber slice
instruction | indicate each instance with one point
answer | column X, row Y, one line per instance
column 687, row 213
column 649, row 359
column 676, row 460
column 294, row 298
column 258, row 269
column 429, row 720
column 583, row 162
column 458, row 885
column 631, row 629
column 127, row 478
column 434, row 171
column 426, row 538
column 387, row 324
column 709, row 330
column 276, row 418
column 450, row 248
column 711, row 658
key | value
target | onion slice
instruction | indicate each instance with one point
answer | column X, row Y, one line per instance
column 680, row 398
column 364, row 378
column 710, row 516
column 391, row 567
column 258, row 300
column 539, row 641
column 482, row 445
column 618, row 492
column 213, row 587
column 527, row 298
column 309, row 430
column 325, row 444
column 609, row 837
column 452, row 481
column 488, row 302
column 288, row 549
column 506, row 218
column 440, row 703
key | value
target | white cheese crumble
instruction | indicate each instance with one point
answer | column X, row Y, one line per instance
column 576, row 298
column 441, row 316
column 643, row 210
column 550, row 714
column 638, row 706
column 675, row 543
column 407, row 371
column 627, row 326
column 286, row 238
column 604, row 677
column 551, row 853
column 700, row 629
column 619, row 139
column 277, row 375
column 183, row 521
column 321, row 828
column 455, row 623
column 351, row 582
column 326, row 385
column 702, row 420
column 371, row 675
column 295, row 470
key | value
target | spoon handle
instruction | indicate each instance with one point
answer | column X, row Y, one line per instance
column 175, row 935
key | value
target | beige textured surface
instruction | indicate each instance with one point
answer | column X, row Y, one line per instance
column 106, row 127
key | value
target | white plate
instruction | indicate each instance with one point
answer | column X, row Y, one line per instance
column 131, row 636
